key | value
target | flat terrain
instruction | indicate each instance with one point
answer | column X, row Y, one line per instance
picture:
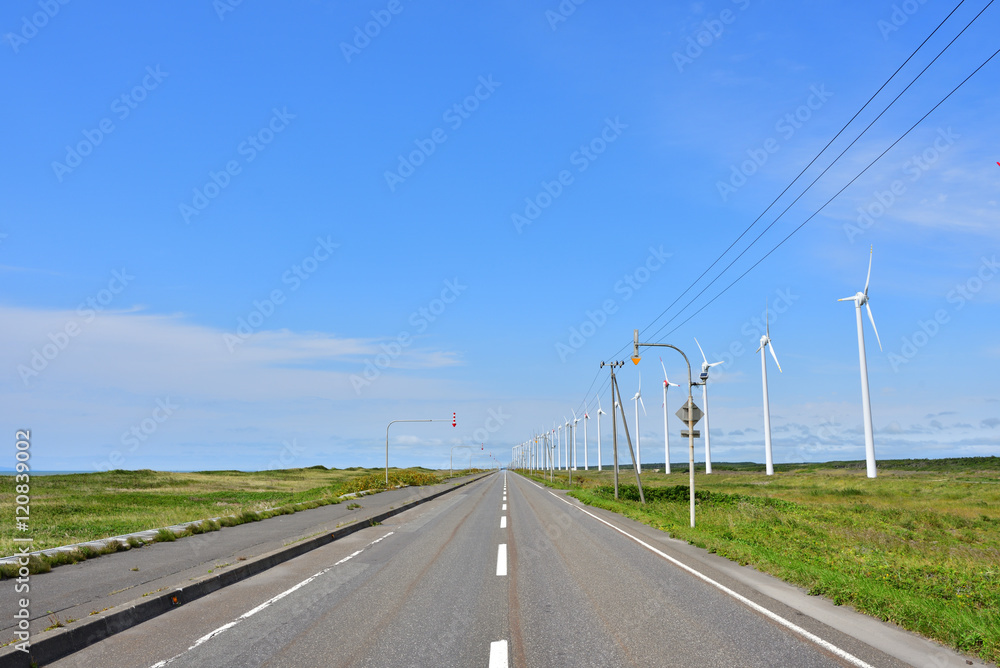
column 918, row 546
column 74, row 508
column 505, row 573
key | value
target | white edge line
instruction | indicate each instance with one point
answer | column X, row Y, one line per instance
column 498, row 654
column 265, row 604
column 830, row 647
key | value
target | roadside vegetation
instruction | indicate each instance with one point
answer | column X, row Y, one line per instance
column 84, row 507
column 918, row 546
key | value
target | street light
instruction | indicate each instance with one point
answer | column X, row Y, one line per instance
column 452, row 458
column 454, row 423
column 690, row 410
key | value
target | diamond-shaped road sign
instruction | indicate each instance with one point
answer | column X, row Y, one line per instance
column 690, row 414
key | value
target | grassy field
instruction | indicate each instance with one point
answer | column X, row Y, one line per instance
column 75, row 508
column 918, row 546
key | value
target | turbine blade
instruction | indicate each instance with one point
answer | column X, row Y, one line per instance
column 871, row 252
column 870, row 317
column 771, row 348
column 598, row 401
column 664, row 369
column 643, row 406
column 716, row 363
column 702, row 351
column 767, row 321
column 847, row 299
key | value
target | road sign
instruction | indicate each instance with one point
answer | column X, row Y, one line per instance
column 690, row 414
column 635, row 359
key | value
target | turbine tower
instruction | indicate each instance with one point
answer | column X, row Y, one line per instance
column 765, row 342
column 586, row 462
column 638, row 401
column 567, row 442
column 705, row 366
column 861, row 299
column 666, row 429
column 600, row 412
column 575, row 420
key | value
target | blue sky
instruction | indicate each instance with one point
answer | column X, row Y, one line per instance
column 249, row 235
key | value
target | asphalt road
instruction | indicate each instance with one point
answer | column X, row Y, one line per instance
column 74, row 591
column 505, row 573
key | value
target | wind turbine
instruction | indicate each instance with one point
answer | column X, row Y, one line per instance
column 861, row 299
column 586, row 417
column 666, row 429
column 638, row 400
column 600, row 412
column 575, row 420
column 705, row 366
column 765, row 342
column 567, row 441
column 559, row 448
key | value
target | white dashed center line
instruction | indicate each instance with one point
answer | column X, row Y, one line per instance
column 503, row 521
column 498, row 654
column 502, row 564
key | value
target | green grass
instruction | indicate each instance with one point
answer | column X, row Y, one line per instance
column 918, row 546
column 77, row 508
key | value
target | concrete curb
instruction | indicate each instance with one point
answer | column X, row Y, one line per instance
column 61, row 642
column 148, row 535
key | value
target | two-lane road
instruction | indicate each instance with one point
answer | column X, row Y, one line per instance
column 500, row 573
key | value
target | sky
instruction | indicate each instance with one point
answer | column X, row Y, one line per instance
column 244, row 235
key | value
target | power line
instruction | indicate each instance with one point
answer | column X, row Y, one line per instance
column 815, row 213
column 835, row 160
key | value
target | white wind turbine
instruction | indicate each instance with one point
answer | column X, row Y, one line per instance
column 575, row 420
column 638, row 400
column 586, row 463
column 861, row 299
column 567, row 442
column 666, row 429
column 600, row 412
column 765, row 342
column 705, row 366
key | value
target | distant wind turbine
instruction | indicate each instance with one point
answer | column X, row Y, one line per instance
column 861, row 299
column 600, row 412
column 765, row 342
column 638, row 401
column 666, row 428
column 705, row 366
column 586, row 418
column 575, row 420
column 567, row 442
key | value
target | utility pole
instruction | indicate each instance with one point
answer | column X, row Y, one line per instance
column 615, row 392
